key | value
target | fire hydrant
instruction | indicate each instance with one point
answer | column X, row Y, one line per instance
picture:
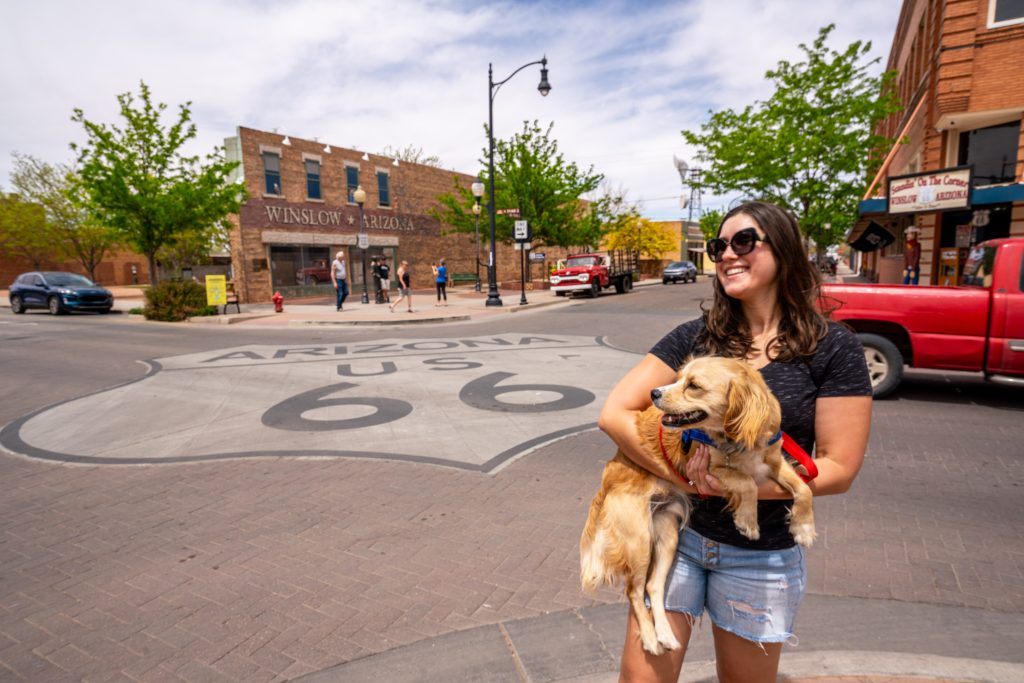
column 278, row 302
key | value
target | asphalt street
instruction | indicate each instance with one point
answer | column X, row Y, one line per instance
column 248, row 502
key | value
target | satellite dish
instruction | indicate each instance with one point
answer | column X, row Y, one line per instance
column 684, row 201
column 681, row 165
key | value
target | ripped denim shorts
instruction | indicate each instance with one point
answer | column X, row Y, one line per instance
column 754, row 594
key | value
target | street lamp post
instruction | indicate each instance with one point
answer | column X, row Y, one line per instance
column 478, row 191
column 364, row 241
column 492, row 89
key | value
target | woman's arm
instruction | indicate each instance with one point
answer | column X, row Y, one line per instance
column 841, row 427
column 618, row 416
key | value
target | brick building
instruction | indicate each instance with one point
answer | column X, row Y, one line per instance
column 301, row 211
column 959, row 180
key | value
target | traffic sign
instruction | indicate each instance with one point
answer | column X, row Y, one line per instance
column 522, row 231
column 536, row 256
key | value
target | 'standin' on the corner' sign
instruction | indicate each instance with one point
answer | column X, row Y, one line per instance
column 934, row 191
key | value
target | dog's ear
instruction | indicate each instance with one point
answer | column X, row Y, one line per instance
column 751, row 412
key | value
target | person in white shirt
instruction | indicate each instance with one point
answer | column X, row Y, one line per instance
column 339, row 277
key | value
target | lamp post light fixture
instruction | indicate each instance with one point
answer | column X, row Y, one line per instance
column 477, row 189
column 364, row 241
column 492, row 89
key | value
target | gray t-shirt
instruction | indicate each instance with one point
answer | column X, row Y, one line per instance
column 837, row 368
column 339, row 269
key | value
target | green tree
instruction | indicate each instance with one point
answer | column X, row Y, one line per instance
column 710, row 220
column 809, row 146
column 531, row 176
column 643, row 236
column 141, row 184
column 57, row 189
column 25, row 232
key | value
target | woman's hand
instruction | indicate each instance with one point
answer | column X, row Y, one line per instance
column 697, row 472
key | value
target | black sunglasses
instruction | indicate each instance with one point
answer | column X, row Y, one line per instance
column 743, row 242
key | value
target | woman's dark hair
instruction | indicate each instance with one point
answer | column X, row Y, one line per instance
column 801, row 326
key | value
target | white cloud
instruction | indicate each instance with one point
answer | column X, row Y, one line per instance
column 626, row 77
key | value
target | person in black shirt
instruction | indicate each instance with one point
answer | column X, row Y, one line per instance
column 764, row 311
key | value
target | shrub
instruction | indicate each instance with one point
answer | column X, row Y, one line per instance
column 175, row 300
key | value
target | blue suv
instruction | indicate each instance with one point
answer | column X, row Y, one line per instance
column 679, row 271
column 58, row 292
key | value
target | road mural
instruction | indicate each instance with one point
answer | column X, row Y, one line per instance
column 470, row 402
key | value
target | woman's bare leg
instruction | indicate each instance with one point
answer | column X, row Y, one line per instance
column 743, row 661
column 639, row 665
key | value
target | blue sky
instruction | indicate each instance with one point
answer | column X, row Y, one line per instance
column 626, row 76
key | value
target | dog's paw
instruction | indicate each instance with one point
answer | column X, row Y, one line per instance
column 653, row 646
column 804, row 534
column 668, row 641
column 751, row 531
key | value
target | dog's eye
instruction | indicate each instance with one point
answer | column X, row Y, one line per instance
column 693, row 385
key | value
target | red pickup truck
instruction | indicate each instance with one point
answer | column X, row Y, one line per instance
column 977, row 326
column 590, row 273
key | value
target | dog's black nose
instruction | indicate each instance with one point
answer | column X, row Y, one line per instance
column 655, row 394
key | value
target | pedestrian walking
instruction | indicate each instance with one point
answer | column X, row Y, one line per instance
column 339, row 278
column 441, row 281
column 375, row 269
column 385, row 278
column 404, row 287
column 764, row 312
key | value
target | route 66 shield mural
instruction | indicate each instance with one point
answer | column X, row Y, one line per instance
column 474, row 403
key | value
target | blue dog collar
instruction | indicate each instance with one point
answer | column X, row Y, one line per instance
column 699, row 435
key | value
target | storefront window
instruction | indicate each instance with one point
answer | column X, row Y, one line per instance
column 294, row 266
column 992, row 151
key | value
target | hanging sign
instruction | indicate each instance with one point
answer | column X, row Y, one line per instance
column 935, row 191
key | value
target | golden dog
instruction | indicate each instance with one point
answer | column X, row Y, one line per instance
column 633, row 525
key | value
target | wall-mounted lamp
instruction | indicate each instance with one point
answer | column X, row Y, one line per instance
column 286, row 141
column 395, row 162
column 327, row 149
column 366, row 157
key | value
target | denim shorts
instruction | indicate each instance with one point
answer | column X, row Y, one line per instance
column 754, row 594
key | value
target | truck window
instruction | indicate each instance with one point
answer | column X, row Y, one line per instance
column 978, row 267
column 582, row 261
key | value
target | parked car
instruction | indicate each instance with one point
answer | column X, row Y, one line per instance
column 58, row 292
column 316, row 273
column 977, row 326
column 590, row 273
column 679, row 271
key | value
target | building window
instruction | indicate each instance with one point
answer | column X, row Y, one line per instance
column 351, row 182
column 383, row 193
column 272, row 172
column 992, row 151
column 1005, row 13
column 312, row 178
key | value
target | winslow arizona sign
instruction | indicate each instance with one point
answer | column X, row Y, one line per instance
column 469, row 402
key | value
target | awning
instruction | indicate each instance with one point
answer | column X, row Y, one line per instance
column 994, row 194
column 873, row 237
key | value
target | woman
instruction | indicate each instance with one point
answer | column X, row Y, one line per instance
column 441, row 280
column 763, row 312
column 404, row 289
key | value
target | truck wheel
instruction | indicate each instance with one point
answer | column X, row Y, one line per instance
column 885, row 364
column 559, row 293
column 620, row 286
column 627, row 284
column 595, row 289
